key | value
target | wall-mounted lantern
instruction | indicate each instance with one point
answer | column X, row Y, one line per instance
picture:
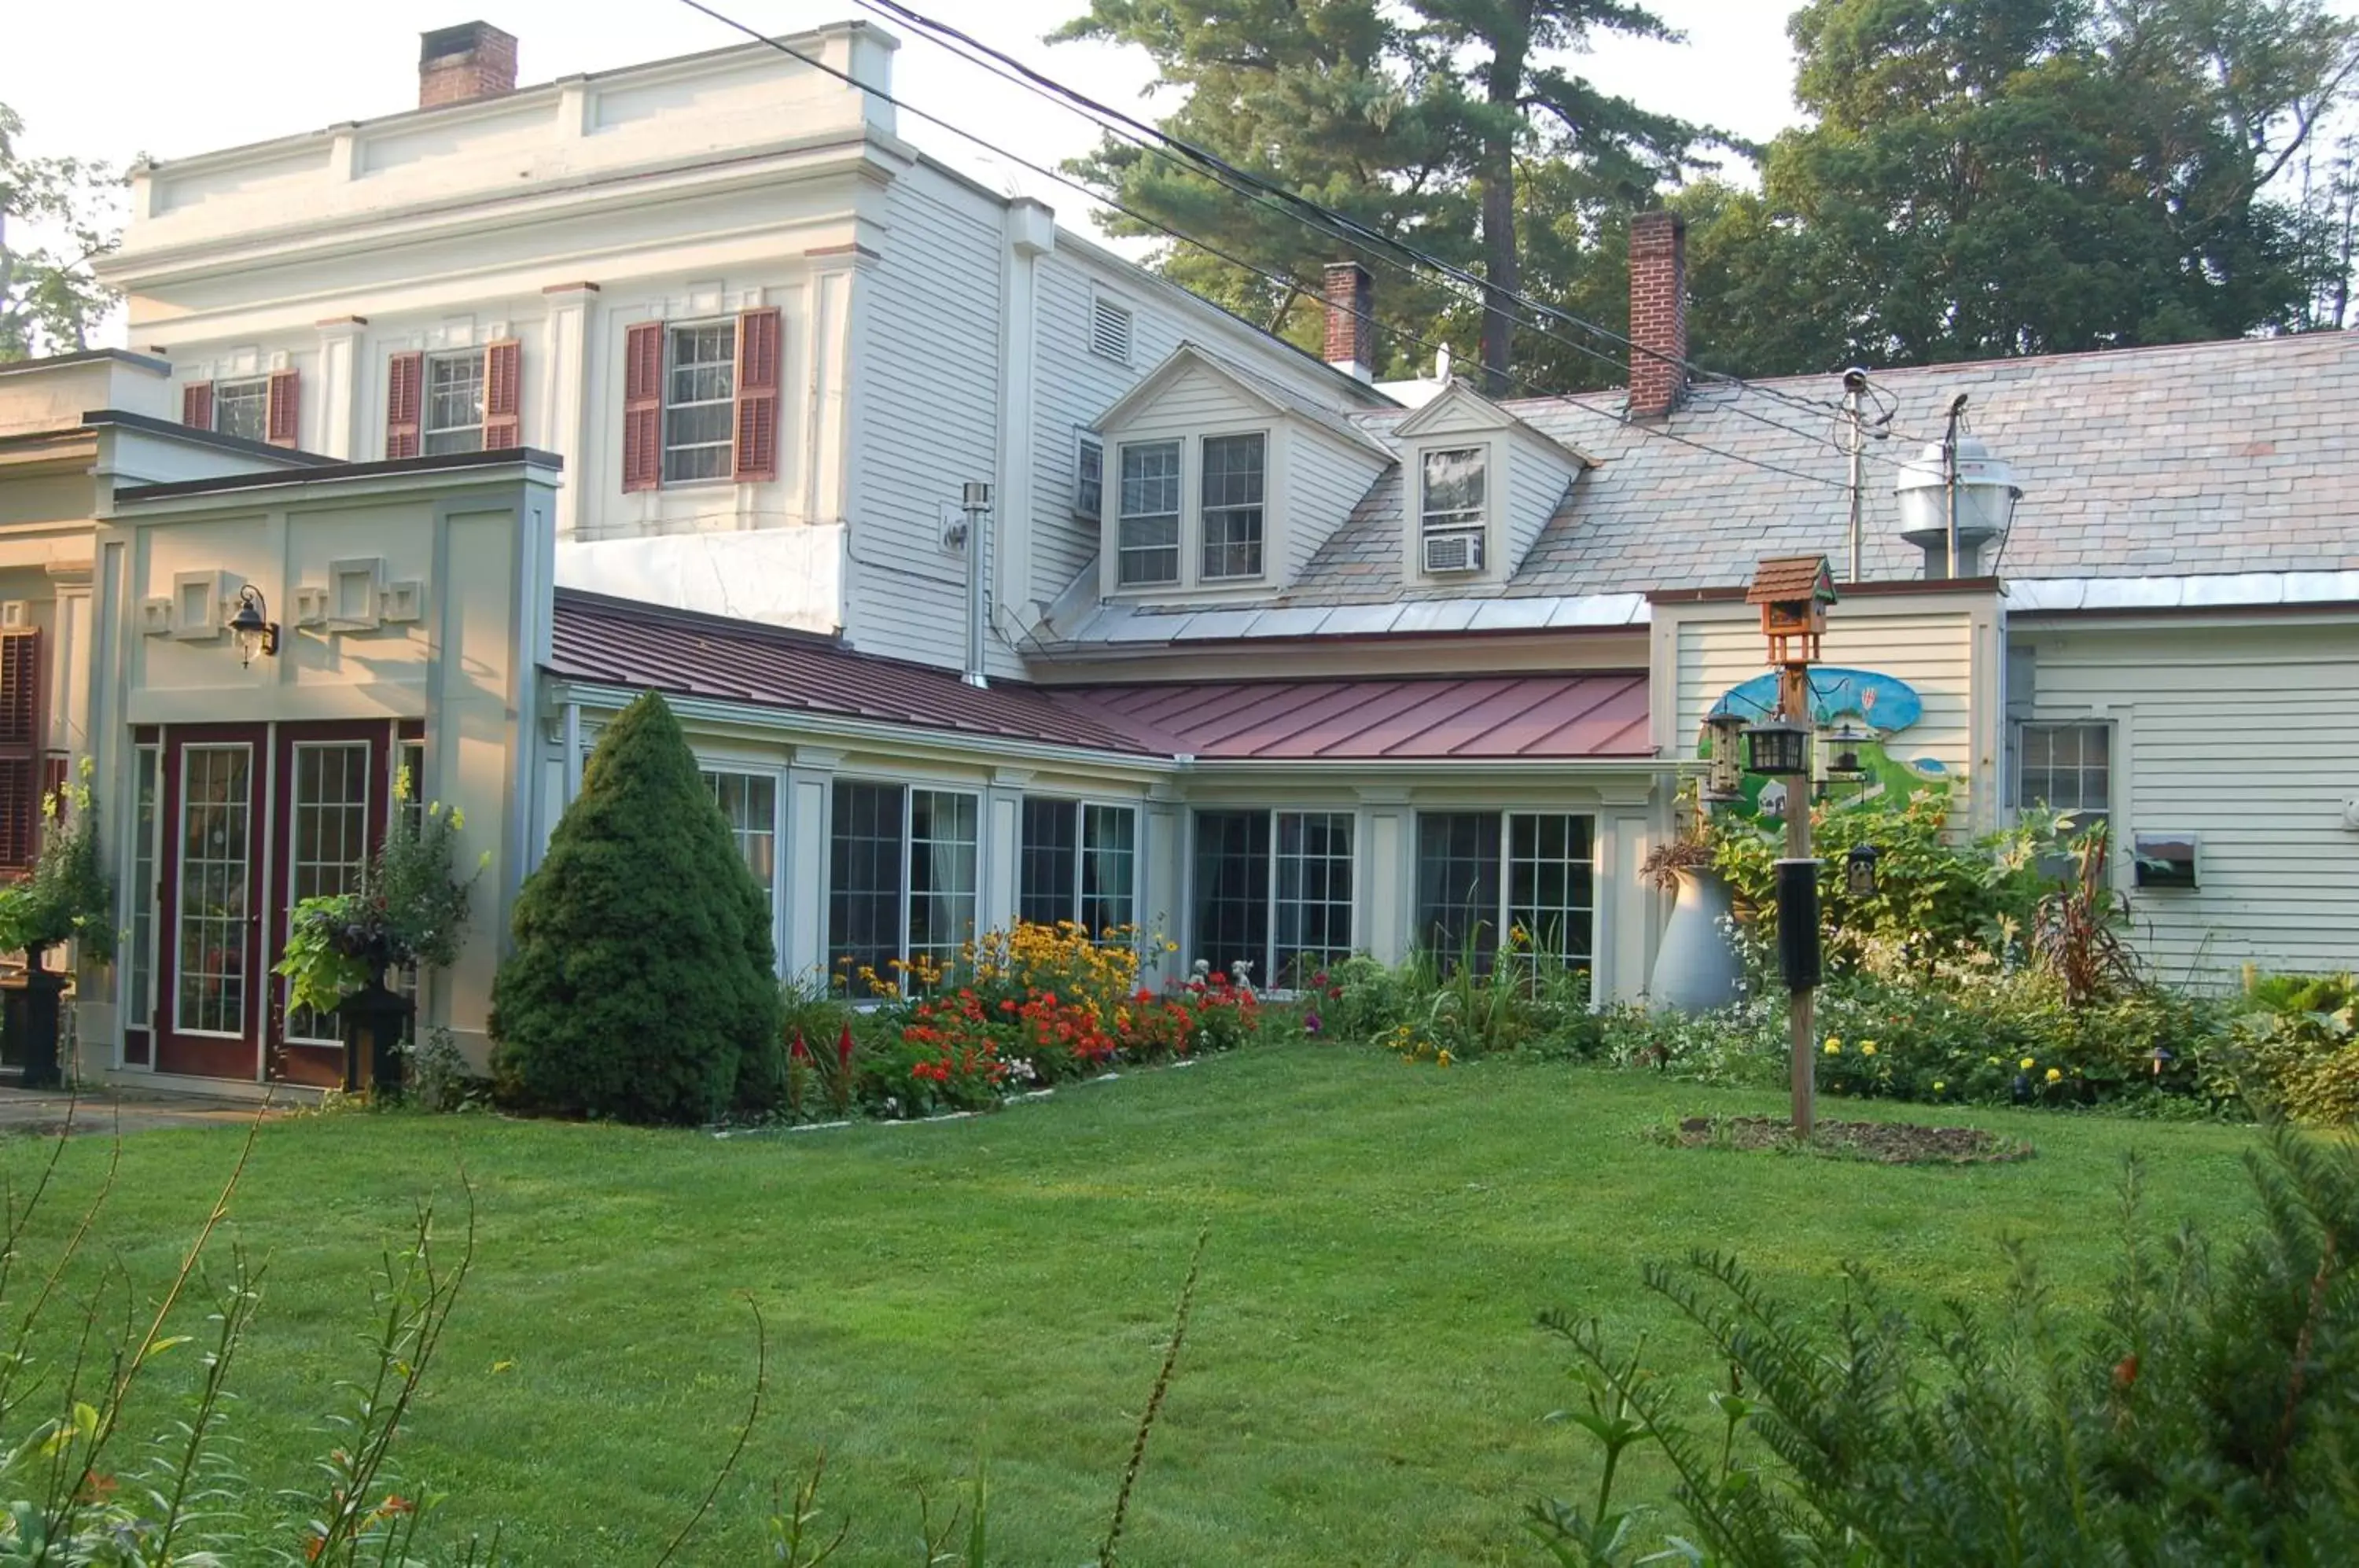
column 1844, row 757
column 1777, row 749
column 255, row 632
column 1859, row 870
column 1724, row 773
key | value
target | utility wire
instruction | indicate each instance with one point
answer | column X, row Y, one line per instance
column 1653, row 431
column 1325, row 220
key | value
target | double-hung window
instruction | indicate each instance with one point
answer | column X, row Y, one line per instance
column 1452, row 486
column 243, row 408
column 1079, row 862
column 1088, row 476
column 1147, row 529
column 749, row 802
column 902, row 880
column 1234, row 471
column 1484, row 876
column 454, row 402
column 700, row 400
column 2066, row 767
column 1272, row 888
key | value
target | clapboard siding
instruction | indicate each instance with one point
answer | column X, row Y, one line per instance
column 1327, row 477
column 2245, row 737
column 1536, row 481
column 925, row 388
column 1933, row 653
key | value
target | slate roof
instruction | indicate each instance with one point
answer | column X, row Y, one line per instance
column 2181, row 461
column 621, row 642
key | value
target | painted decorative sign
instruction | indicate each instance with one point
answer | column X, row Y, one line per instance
column 1865, row 700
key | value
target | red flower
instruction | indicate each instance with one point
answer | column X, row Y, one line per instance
column 799, row 1052
column 843, row 1048
column 2125, row 1373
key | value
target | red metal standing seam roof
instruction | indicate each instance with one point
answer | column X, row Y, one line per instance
column 1561, row 717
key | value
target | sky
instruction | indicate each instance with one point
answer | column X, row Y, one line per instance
column 183, row 78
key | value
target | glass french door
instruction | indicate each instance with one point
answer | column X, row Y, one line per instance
column 255, row 820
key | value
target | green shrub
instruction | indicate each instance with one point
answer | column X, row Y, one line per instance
column 2204, row 1416
column 1429, row 1005
column 2296, row 1052
column 643, row 984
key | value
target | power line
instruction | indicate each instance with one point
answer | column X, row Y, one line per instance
column 1326, row 221
column 1653, row 431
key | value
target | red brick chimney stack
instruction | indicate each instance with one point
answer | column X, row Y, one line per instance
column 1351, row 325
column 1658, row 312
column 460, row 64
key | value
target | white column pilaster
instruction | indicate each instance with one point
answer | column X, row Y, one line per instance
column 810, row 780
column 342, row 338
column 564, row 398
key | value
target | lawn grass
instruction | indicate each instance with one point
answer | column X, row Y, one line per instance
column 1362, row 1383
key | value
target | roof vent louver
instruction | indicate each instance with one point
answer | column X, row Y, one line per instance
column 1110, row 330
column 1454, row 552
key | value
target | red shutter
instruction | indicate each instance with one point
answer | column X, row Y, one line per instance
column 404, row 384
column 757, row 395
column 283, row 413
column 503, row 394
column 197, row 404
column 20, row 748
column 643, row 357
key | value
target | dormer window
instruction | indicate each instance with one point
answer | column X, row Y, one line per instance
column 1234, row 471
column 1147, row 530
column 1450, row 515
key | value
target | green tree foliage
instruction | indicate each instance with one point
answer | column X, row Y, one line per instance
column 1988, row 178
column 643, row 982
column 1449, row 125
column 57, row 215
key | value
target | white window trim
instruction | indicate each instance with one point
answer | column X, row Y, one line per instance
column 286, row 998
column 1192, row 582
column 664, row 405
column 1084, row 439
column 1496, row 459
column 259, row 379
column 908, row 787
column 427, row 430
column 142, row 1012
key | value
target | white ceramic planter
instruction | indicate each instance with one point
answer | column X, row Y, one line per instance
column 1696, row 968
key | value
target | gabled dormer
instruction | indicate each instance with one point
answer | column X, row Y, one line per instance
column 1220, row 483
column 1477, row 486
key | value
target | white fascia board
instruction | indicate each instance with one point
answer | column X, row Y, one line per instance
column 2239, row 590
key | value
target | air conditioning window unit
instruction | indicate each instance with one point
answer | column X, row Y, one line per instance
column 1454, row 552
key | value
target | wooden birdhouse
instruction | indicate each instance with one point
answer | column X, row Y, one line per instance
column 1793, row 591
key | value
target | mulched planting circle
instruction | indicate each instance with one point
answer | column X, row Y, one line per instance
column 1885, row 1143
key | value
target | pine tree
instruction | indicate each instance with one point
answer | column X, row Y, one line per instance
column 643, row 984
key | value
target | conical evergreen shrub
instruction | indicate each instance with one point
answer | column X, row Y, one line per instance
column 643, row 982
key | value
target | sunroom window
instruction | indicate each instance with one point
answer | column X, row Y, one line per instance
column 1484, row 876
column 902, row 879
column 1079, row 862
column 1274, row 888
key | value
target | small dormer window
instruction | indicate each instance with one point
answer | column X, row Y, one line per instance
column 1089, row 475
column 1450, row 509
column 1147, row 529
column 1233, row 472
column 1109, row 330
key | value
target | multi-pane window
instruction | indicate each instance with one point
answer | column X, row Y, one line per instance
column 214, row 897
column 700, row 400
column 1231, row 510
column 1274, row 888
column 1147, row 529
column 243, row 408
column 749, row 802
column 1450, row 491
column 330, row 845
column 1079, row 863
column 1482, row 877
column 2066, row 767
column 1089, row 475
column 454, row 403
column 141, row 964
column 902, row 879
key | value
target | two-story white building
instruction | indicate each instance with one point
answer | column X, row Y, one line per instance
column 678, row 376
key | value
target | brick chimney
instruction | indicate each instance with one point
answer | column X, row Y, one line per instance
column 1351, row 320
column 1658, row 312
column 460, row 64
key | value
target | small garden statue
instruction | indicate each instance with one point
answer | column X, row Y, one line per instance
column 68, row 897
column 410, row 909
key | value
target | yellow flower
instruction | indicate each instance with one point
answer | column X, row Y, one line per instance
column 1867, row 1048
column 2054, row 1075
column 1834, row 1046
column 2027, row 1064
column 1993, row 1060
column 1939, row 1085
column 1443, row 1058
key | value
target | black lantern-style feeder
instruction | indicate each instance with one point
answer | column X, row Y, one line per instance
column 1843, row 749
column 252, row 625
column 1859, row 870
column 1777, row 749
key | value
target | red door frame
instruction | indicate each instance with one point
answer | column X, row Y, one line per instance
column 320, row 1065
column 211, row 1055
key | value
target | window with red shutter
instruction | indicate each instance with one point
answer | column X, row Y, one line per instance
column 503, row 394
column 197, row 404
column 759, row 346
column 20, row 748
column 404, row 395
column 284, row 409
column 643, row 368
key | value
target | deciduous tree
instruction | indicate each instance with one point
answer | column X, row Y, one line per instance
column 57, row 216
